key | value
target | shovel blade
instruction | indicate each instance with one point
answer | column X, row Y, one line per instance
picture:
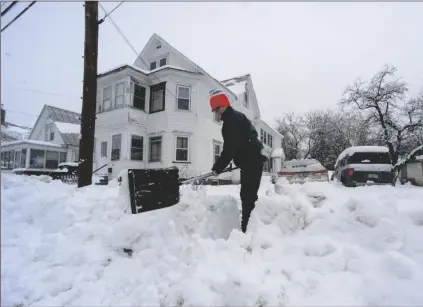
column 153, row 189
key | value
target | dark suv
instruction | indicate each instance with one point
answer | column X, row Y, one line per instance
column 361, row 165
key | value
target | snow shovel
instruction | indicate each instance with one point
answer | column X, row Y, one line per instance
column 153, row 189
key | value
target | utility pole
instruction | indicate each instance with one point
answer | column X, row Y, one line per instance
column 86, row 144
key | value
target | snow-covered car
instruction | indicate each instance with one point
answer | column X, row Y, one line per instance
column 301, row 171
column 361, row 165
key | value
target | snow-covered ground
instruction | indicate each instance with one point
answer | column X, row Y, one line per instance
column 316, row 244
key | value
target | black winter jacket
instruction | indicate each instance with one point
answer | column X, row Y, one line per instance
column 240, row 142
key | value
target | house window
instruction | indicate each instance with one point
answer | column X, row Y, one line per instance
column 181, row 148
column 116, row 146
column 119, row 94
column 62, row 157
column 153, row 65
column 163, row 62
column 157, row 97
column 266, row 166
column 246, row 99
column 36, row 158
column 139, row 97
column 103, row 149
column 137, row 146
column 217, row 149
column 261, row 135
column 270, row 140
column 52, row 159
column 107, row 98
column 155, row 149
column 49, row 133
column 184, row 97
column 23, row 158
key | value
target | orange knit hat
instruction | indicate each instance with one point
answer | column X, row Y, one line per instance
column 218, row 99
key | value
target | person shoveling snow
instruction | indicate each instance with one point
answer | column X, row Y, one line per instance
column 241, row 144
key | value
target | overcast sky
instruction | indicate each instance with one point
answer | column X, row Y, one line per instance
column 300, row 55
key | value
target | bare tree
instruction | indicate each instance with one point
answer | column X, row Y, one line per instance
column 292, row 128
column 382, row 103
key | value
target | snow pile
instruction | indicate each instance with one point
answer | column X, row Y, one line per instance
column 302, row 165
column 315, row 244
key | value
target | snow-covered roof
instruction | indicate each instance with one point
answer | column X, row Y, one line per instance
column 68, row 127
column 30, row 142
column 237, row 84
column 351, row 150
column 66, row 121
column 142, row 71
column 415, row 152
column 12, row 132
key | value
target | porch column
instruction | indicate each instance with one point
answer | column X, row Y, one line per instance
column 28, row 153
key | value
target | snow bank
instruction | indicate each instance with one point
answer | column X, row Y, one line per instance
column 302, row 165
column 312, row 245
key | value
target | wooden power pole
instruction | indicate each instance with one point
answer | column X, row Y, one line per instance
column 86, row 144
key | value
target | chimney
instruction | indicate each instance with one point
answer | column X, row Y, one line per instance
column 3, row 114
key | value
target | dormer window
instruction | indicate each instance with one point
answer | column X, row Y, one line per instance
column 161, row 62
column 246, row 98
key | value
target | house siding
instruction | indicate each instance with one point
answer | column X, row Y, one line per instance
column 197, row 124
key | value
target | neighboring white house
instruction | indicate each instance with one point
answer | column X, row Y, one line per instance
column 53, row 139
column 156, row 113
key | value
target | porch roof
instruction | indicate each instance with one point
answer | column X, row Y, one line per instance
column 9, row 145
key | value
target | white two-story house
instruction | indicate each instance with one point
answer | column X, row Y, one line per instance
column 156, row 113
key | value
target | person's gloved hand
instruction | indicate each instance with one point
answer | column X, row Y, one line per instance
column 215, row 173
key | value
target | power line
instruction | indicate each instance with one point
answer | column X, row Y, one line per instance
column 8, row 8
column 19, row 15
column 107, row 14
column 135, row 51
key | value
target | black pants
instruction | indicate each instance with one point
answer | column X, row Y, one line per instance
column 250, row 183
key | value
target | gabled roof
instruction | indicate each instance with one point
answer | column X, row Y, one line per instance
column 158, row 37
column 59, row 115
column 237, row 84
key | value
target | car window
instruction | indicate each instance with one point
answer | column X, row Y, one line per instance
column 370, row 158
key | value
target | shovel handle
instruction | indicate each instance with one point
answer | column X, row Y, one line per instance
column 204, row 176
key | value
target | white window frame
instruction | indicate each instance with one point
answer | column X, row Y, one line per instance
column 246, row 99
column 120, row 149
column 151, row 62
column 176, row 148
column 130, row 147
column 149, row 148
column 111, row 98
column 118, row 96
column 216, row 118
column 189, row 97
column 220, row 144
column 101, row 149
column 159, row 60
